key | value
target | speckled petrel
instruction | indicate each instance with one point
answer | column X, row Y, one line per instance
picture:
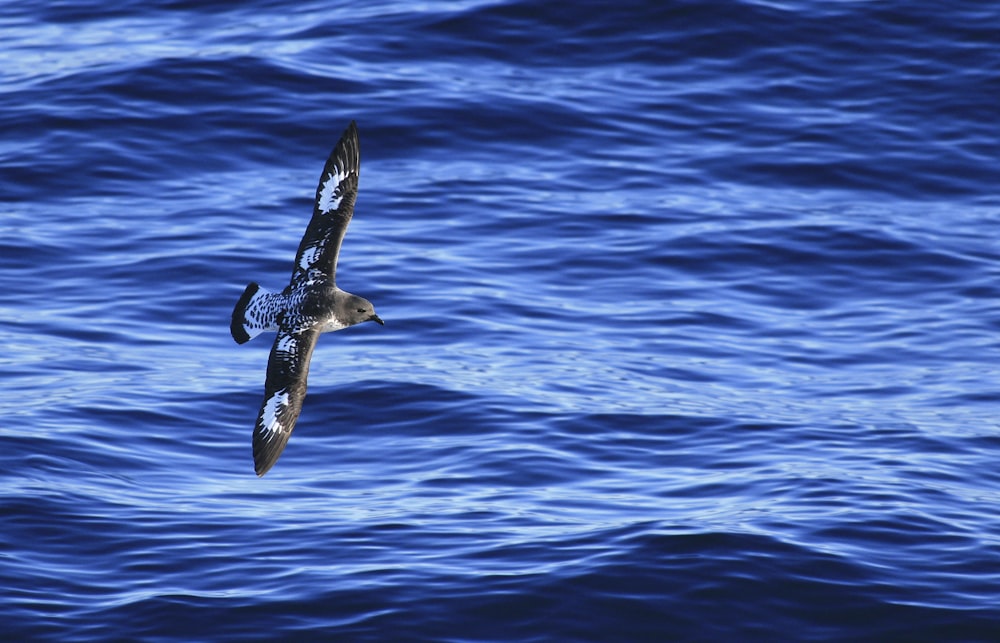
column 309, row 305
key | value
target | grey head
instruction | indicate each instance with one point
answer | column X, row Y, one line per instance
column 352, row 309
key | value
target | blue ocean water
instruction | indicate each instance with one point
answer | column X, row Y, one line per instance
column 691, row 321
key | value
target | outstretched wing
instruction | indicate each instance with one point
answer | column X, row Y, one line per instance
column 284, row 390
column 335, row 196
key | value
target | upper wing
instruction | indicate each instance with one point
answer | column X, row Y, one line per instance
column 284, row 390
column 335, row 196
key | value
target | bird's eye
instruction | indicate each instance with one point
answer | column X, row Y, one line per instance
column 361, row 310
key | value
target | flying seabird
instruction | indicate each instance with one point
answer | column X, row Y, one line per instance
column 309, row 305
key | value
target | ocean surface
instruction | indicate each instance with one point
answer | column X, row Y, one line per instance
column 692, row 321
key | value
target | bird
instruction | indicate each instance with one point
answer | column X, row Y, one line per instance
column 309, row 305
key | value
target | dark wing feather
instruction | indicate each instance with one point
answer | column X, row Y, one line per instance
column 284, row 390
column 334, row 206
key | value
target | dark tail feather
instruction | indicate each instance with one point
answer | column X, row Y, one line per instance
column 236, row 327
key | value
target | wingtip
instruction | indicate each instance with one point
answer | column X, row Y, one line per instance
column 351, row 138
column 265, row 452
column 263, row 461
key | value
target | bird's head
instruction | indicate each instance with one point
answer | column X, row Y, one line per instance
column 359, row 310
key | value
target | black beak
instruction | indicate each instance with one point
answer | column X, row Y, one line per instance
column 376, row 318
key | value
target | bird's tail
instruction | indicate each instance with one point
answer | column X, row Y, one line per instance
column 247, row 319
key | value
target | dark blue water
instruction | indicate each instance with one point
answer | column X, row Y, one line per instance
column 692, row 317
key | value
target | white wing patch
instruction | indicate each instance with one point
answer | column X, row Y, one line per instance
column 330, row 197
column 270, row 424
column 309, row 256
column 286, row 344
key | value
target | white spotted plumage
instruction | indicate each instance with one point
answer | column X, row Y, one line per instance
column 261, row 312
column 309, row 305
column 286, row 344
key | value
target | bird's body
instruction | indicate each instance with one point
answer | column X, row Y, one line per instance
column 309, row 305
